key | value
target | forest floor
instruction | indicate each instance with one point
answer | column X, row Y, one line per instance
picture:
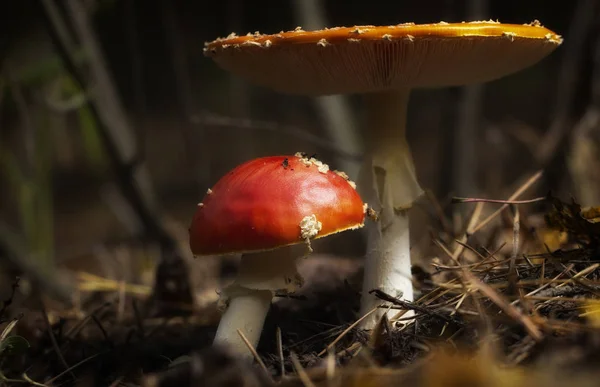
column 509, row 303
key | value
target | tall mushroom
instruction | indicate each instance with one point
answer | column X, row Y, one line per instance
column 384, row 64
column 260, row 209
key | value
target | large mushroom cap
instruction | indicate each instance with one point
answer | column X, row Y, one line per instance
column 272, row 202
column 372, row 58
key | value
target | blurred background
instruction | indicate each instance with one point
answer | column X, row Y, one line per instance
column 113, row 124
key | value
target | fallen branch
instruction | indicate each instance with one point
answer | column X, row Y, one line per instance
column 411, row 306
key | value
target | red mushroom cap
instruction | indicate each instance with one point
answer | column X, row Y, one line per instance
column 264, row 203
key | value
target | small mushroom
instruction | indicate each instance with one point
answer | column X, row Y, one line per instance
column 261, row 209
column 384, row 64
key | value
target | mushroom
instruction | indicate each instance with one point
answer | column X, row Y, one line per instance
column 262, row 209
column 384, row 63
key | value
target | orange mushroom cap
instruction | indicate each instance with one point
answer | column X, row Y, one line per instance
column 364, row 59
column 272, row 202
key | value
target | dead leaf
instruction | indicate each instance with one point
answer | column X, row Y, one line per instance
column 582, row 225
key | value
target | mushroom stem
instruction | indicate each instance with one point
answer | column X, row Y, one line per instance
column 249, row 296
column 388, row 183
column 246, row 312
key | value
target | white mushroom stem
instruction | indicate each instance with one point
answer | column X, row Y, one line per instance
column 247, row 312
column 249, row 297
column 388, row 183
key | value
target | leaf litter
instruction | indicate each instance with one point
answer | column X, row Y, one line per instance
column 513, row 299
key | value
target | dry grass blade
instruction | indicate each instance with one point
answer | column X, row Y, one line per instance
column 506, row 307
column 532, row 180
column 444, row 289
column 503, row 285
column 9, row 327
column 498, row 201
column 302, row 375
column 330, row 365
column 487, row 290
column 351, row 351
column 512, row 270
column 76, row 328
column 31, row 381
column 405, row 306
column 345, row 332
column 254, row 353
column 53, row 340
column 87, row 359
column 470, row 230
column 280, row 351
column 581, row 274
column 378, row 335
column 93, row 283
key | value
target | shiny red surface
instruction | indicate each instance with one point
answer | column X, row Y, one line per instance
column 259, row 205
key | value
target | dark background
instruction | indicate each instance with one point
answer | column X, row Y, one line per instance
column 171, row 95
